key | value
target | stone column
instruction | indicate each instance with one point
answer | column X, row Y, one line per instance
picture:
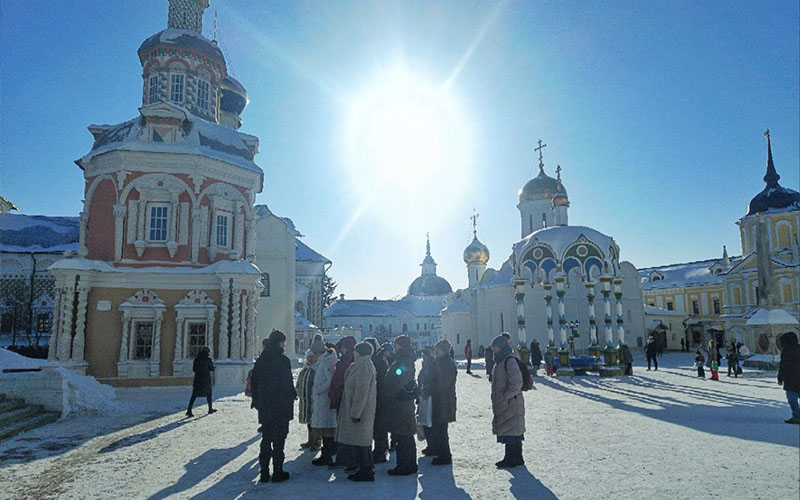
column 562, row 317
column 80, row 324
column 519, row 285
column 252, row 331
column 620, row 316
column 179, row 341
column 592, row 323
column 155, row 354
column 123, row 347
column 84, row 222
column 548, row 299
column 197, row 220
column 65, row 339
column 52, row 349
column 225, row 302
column 119, row 222
column 606, row 291
column 236, row 324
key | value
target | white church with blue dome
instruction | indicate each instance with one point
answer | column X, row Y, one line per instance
column 561, row 283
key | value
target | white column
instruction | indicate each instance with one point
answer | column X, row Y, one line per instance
column 238, row 231
column 179, row 340
column 620, row 316
column 65, row 340
column 119, row 222
column 52, row 353
column 223, row 321
column 155, row 354
column 80, row 323
column 519, row 284
column 562, row 317
column 606, row 282
column 236, row 324
column 548, row 299
column 251, row 325
column 123, row 347
column 592, row 322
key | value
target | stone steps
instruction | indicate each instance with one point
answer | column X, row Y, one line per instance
column 17, row 417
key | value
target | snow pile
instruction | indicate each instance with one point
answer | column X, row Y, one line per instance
column 11, row 360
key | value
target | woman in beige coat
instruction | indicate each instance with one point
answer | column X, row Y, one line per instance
column 508, row 404
column 357, row 413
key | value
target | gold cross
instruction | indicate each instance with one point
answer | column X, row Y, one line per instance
column 539, row 149
column 474, row 219
column 558, row 172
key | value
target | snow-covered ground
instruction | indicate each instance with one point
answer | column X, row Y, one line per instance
column 661, row 434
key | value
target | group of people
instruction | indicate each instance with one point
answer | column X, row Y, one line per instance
column 354, row 395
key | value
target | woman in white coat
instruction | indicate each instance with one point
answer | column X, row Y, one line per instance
column 323, row 418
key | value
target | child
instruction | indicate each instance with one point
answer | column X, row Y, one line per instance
column 698, row 363
column 548, row 362
column 715, row 370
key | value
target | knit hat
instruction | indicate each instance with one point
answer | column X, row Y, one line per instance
column 348, row 343
column 388, row 347
column 373, row 342
column 443, row 345
column 500, row 341
column 317, row 345
column 364, row 348
column 403, row 341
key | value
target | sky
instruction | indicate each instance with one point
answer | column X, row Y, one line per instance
column 654, row 110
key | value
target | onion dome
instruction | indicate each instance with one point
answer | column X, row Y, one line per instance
column 476, row 253
column 232, row 102
column 541, row 187
column 428, row 285
column 774, row 197
column 181, row 39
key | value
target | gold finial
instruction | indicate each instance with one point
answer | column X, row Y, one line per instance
column 539, row 150
column 766, row 133
column 474, row 219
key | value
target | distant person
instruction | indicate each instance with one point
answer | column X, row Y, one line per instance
column 698, row 363
column 201, row 385
column 323, row 417
column 549, row 362
column 683, row 345
column 626, row 359
column 651, row 351
column 273, row 397
column 468, row 355
column 481, row 351
column 789, row 373
column 733, row 361
column 536, row 356
column 508, row 404
column 357, row 413
column 304, row 388
column 442, row 389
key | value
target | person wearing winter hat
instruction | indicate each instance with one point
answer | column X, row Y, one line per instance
column 508, row 405
column 789, row 373
column 345, row 346
column 317, row 345
column 201, row 385
column 442, row 390
column 374, row 343
column 380, row 432
column 273, row 397
column 400, row 392
column 357, row 413
column 323, row 417
column 304, row 388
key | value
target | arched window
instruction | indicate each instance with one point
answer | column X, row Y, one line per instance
column 265, row 282
column 530, row 224
column 784, row 236
column 405, row 328
column 544, row 220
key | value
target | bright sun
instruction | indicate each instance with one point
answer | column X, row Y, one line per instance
column 407, row 140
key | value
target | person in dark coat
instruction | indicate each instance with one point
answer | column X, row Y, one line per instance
column 733, row 361
column 698, row 363
column 489, row 359
column 789, row 374
column 651, row 351
column 399, row 393
column 273, row 397
column 626, row 359
column 442, row 389
column 380, row 433
column 536, row 356
column 344, row 454
column 201, row 385
column 425, row 402
column 468, row 355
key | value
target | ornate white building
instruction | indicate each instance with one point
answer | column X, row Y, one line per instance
column 167, row 224
column 560, row 281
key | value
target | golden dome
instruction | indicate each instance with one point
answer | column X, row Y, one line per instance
column 476, row 253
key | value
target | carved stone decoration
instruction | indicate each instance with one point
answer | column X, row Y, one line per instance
column 143, row 306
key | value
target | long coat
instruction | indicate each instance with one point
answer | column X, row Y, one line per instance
column 202, row 367
column 304, row 387
column 337, row 382
column 536, row 354
column 322, row 416
column 508, row 404
column 400, row 411
column 442, row 389
column 789, row 369
column 273, row 392
column 358, row 402
column 381, row 365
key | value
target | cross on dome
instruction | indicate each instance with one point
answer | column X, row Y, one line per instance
column 539, row 150
column 474, row 219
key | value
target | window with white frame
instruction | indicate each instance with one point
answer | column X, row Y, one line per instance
column 152, row 89
column 202, row 94
column 143, row 340
column 197, row 338
column 223, row 230
column 176, row 87
column 158, row 222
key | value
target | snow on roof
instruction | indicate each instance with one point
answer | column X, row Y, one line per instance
column 302, row 323
column 383, row 308
column 494, row 277
column 305, row 252
column 298, row 288
column 38, row 233
column 772, row 317
column 457, row 306
column 682, row 275
column 221, row 267
column 182, row 38
column 661, row 312
column 203, row 138
column 561, row 237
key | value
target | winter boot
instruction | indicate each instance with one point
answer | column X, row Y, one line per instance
column 362, row 475
column 189, row 413
column 442, row 460
column 518, row 454
column 212, row 410
column 264, row 475
column 509, row 459
column 315, row 445
column 279, row 475
column 793, row 420
column 309, row 443
column 403, row 470
column 327, row 453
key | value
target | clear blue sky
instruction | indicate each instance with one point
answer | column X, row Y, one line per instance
column 655, row 110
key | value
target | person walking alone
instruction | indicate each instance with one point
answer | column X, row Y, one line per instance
column 508, row 404
column 626, row 359
column 789, row 374
column 400, row 392
column 273, row 397
column 733, row 361
column 442, row 389
column 536, row 356
column 489, row 362
column 357, row 412
column 201, row 385
column 468, row 355
column 651, row 351
column 698, row 363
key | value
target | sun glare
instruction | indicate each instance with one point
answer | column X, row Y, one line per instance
column 407, row 140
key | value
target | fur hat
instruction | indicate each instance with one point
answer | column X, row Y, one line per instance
column 506, row 335
column 403, row 341
column 348, row 343
column 364, row 348
column 317, row 345
column 373, row 342
column 388, row 347
column 443, row 345
column 500, row 341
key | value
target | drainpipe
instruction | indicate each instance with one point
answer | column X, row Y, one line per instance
column 30, row 302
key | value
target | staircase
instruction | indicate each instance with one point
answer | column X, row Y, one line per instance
column 16, row 416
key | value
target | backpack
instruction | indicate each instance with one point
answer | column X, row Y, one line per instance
column 527, row 380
